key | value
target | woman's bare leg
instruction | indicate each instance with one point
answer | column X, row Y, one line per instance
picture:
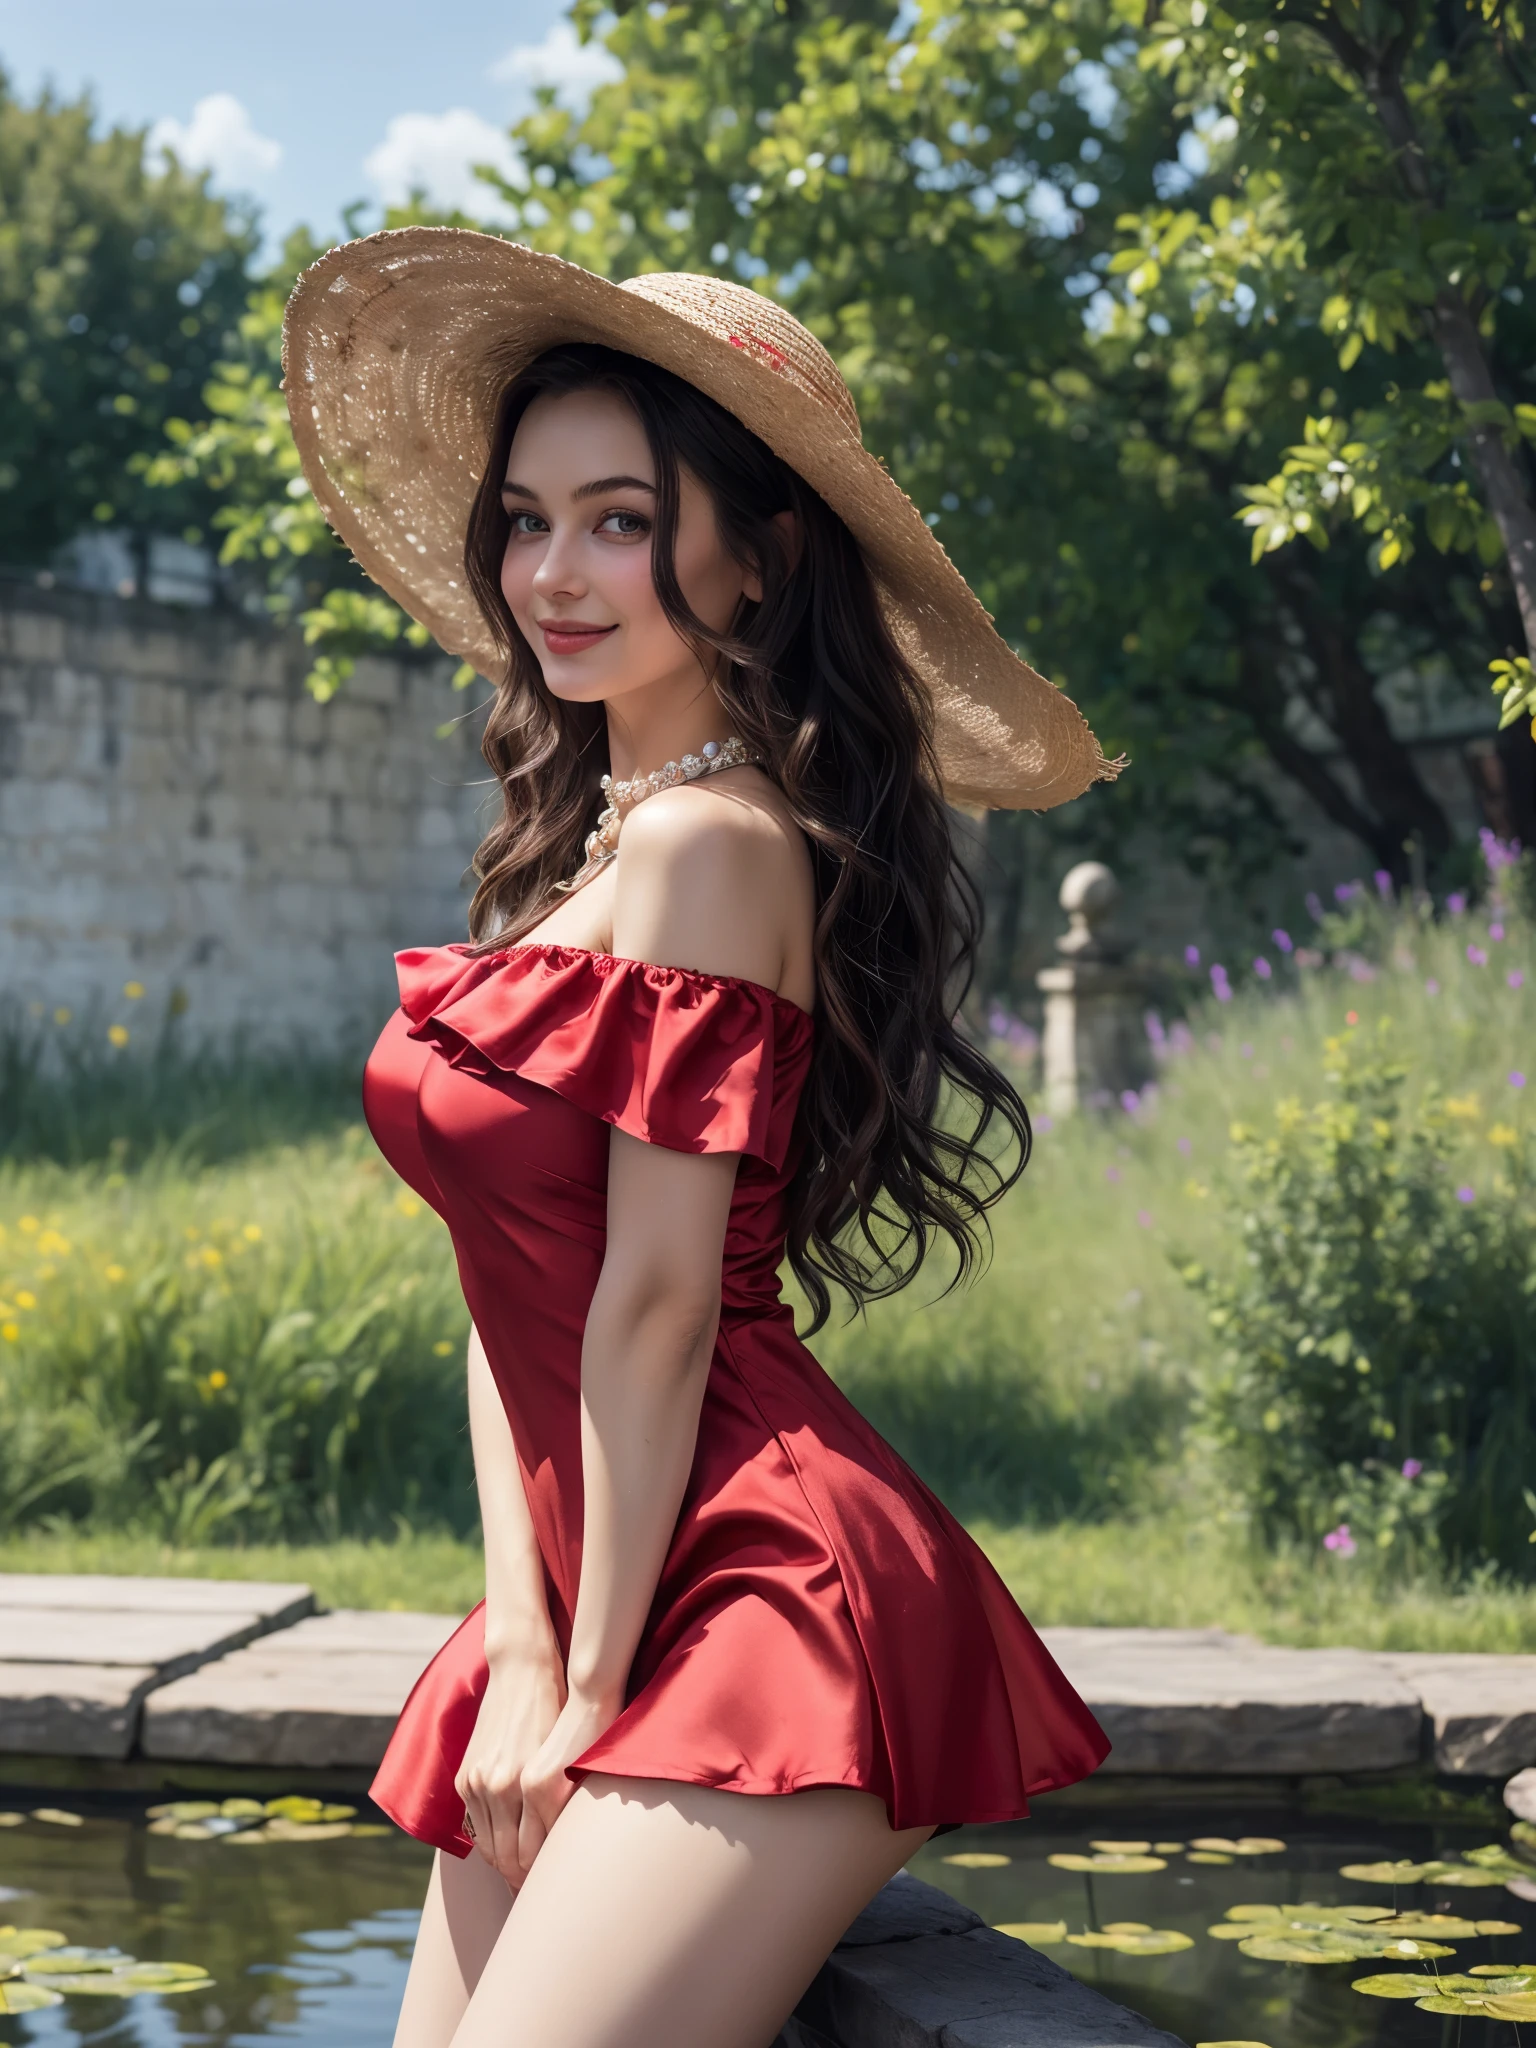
column 466, row 1908
column 663, row 1915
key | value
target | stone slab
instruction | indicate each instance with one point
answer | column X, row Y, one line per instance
column 1203, row 1702
column 323, row 1694
column 917, row 1970
column 89, row 1710
column 55, row 1591
column 1481, row 1710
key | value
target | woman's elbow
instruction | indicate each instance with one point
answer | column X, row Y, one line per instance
column 669, row 1319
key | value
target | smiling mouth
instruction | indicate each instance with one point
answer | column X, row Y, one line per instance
column 570, row 636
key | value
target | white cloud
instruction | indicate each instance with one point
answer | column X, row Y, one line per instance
column 574, row 69
column 219, row 138
column 435, row 154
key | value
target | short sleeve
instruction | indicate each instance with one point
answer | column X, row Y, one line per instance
column 694, row 1062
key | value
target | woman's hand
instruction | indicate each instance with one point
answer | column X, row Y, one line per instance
column 546, row 1788
column 522, row 1705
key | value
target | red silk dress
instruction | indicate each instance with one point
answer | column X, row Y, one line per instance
column 821, row 1619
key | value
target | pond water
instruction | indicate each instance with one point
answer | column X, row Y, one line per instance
column 308, row 1942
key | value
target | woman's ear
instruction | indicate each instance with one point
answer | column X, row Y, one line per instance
column 790, row 538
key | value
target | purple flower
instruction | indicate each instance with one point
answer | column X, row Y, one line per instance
column 1477, row 956
column 1186, row 1146
column 1246, row 1050
column 1516, row 1078
column 1156, row 1035
column 1281, row 938
column 1341, row 1541
column 1498, row 853
column 1383, row 883
column 1431, row 987
column 1130, row 1101
column 1495, row 932
column 1221, row 988
column 1144, row 1218
column 1344, row 891
column 1191, row 956
column 1262, row 968
column 1466, row 1195
column 1360, row 970
column 1314, row 904
column 1412, row 1467
column 1041, row 1124
column 1514, row 978
column 1181, row 1038
column 1112, row 1174
column 1456, row 903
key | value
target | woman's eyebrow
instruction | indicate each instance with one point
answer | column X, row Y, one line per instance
column 593, row 490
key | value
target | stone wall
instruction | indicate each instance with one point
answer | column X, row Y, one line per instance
column 176, row 810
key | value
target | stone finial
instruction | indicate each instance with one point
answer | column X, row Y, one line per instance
column 1090, row 895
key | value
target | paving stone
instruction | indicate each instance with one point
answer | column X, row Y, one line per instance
column 1481, row 1709
column 1203, row 1702
column 323, row 1694
column 59, row 1590
column 71, row 1709
column 927, row 1981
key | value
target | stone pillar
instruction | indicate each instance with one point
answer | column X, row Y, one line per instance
column 1095, row 1043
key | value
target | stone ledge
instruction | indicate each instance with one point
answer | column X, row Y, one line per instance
column 918, row 1970
column 1481, row 1710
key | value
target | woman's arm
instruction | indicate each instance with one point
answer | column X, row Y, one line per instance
column 687, row 868
column 526, row 1687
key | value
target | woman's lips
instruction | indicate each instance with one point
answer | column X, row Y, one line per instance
column 567, row 637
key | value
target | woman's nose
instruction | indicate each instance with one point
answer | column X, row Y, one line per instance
column 559, row 571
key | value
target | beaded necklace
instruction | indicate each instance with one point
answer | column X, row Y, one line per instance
column 602, row 844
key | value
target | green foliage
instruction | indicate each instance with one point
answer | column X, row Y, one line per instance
column 1383, row 1316
column 118, row 289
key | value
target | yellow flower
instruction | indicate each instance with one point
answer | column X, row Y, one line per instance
column 10, row 1332
column 1464, row 1106
column 62, row 1016
column 211, row 1255
column 1503, row 1134
column 29, row 1224
column 1239, row 1133
column 252, row 1233
column 52, row 1246
column 118, row 1033
column 133, row 990
column 25, row 1298
column 191, row 1232
column 116, row 1273
column 443, row 1348
column 1195, row 1190
column 407, row 1205
column 218, row 1381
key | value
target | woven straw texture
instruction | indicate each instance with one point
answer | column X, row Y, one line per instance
column 397, row 347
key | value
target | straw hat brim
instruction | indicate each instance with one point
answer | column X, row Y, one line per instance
column 396, row 349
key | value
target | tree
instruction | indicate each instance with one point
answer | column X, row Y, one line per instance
column 118, row 287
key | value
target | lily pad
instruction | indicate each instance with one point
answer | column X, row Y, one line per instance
column 1505, row 1970
column 1244, row 1845
column 1038, row 1933
column 1208, row 1856
column 58, row 1817
column 1337, row 1934
column 23, row 1942
column 17, row 1995
column 1122, row 1848
column 280, row 1830
column 1499, row 1927
column 1139, row 1941
column 1384, row 1873
column 1168, row 1848
column 1109, row 1865
column 978, row 1859
column 1524, row 1833
column 11, row 1820
column 184, row 1809
column 1231, row 2044
column 241, row 1809
column 1397, row 1984
column 1468, row 2005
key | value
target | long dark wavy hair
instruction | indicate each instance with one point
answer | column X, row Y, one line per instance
column 909, row 1132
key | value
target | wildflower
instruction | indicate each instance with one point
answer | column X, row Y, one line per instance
column 1383, row 882
column 1431, row 987
column 1456, row 903
column 1130, row 1101
column 1191, row 956
column 1464, row 1106
column 251, row 1232
column 1495, row 932
column 25, row 1298
column 1344, row 892
column 1043, row 1123
column 1221, row 988
column 1246, row 1050
column 1498, row 853
column 407, row 1204
column 1477, row 956
column 218, row 1380
column 1314, row 904
column 10, row 1332
column 1282, row 939
column 443, row 1348
column 1466, row 1196
column 1503, row 1134
column 1144, row 1218
column 1196, row 1190
column 115, row 1273
column 1340, row 1541
column 1517, row 1079
column 211, row 1256
column 1112, row 1174
column 62, row 1016
column 1262, row 968
column 1412, row 1468
column 1186, row 1146
column 1514, row 978
column 118, row 1034
column 133, row 990
column 1351, row 1016
column 29, row 1224
column 1156, row 1035
column 1360, row 970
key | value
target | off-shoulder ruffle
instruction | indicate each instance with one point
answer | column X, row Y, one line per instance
column 694, row 1062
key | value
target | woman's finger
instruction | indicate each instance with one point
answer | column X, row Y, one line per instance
column 530, row 1834
column 480, row 1825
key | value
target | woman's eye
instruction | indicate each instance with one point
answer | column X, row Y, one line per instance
column 628, row 525
column 526, row 523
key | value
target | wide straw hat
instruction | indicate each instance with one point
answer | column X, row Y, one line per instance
column 397, row 347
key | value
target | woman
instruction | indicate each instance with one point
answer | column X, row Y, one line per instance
column 735, row 1663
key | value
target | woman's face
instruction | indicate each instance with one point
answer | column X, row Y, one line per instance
column 581, row 491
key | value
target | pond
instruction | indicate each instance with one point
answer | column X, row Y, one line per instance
column 307, row 1941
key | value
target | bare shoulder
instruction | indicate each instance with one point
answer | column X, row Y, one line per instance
column 716, row 876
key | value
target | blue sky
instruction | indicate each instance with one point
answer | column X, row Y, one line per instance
column 306, row 107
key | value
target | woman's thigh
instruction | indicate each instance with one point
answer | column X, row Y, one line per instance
column 466, row 1908
column 663, row 1915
